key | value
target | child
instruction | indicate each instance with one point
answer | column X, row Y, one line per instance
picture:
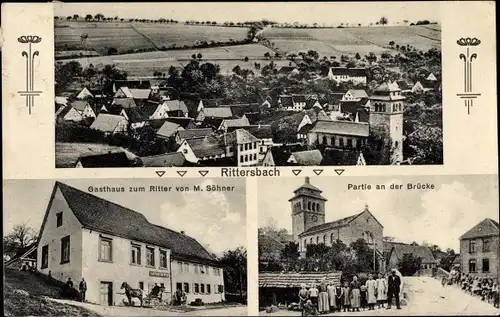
column 339, row 297
column 347, row 297
column 310, row 309
column 364, row 301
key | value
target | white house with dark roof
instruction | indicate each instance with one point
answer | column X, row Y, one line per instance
column 110, row 123
column 183, row 134
column 306, row 158
column 197, row 150
column 344, row 74
column 68, row 114
column 83, row 235
column 292, row 102
column 233, row 123
column 214, row 113
column 244, row 146
column 354, row 95
column 84, row 108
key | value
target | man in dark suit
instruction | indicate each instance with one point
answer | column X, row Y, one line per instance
column 393, row 289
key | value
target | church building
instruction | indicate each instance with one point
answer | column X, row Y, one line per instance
column 309, row 225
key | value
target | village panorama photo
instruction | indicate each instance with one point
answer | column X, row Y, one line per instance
column 327, row 248
column 247, row 84
column 125, row 247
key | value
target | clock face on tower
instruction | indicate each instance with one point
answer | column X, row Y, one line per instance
column 314, row 218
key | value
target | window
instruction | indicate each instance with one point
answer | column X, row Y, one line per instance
column 324, row 140
column 209, row 289
column 241, row 158
column 241, row 147
column 186, row 267
column 196, row 269
column 341, row 141
column 333, row 140
column 65, row 247
column 45, row 256
column 318, row 207
column 311, row 241
column 486, row 245
column 308, row 205
column 163, row 259
column 246, row 146
column 349, row 142
column 314, row 207
column 202, row 288
column 196, row 288
column 255, row 156
column 332, row 238
column 221, row 289
column 178, row 286
column 136, row 254
column 215, row 289
column 246, row 157
column 59, row 219
column 472, row 246
column 105, row 249
column 486, row 265
column 186, row 287
column 207, row 270
column 472, row 266
column 317, row 240
column 141, row 285
column 324, row 239
column 185, row 151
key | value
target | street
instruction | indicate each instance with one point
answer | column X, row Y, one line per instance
column 120, row 311
column 426, row 297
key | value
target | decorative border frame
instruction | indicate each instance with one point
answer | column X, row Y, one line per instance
column 468, row 95
column 29, row 92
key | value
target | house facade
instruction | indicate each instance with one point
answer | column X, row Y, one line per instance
column 339, row 134
column 76, row 243
column 343, row 74
column 244, row 147
column 479, row 249
column 110, row 124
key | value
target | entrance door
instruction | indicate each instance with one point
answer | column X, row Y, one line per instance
column 106, row 294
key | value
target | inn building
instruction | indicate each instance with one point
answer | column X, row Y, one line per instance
column 83, row 235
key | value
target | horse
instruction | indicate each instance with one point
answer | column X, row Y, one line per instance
column 133, row 292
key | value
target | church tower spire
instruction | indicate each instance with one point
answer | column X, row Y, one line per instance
column 308, row 208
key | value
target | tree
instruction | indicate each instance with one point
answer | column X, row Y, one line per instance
column 193, row 56
column 409, row 264
column 68, row 18
column 199, row 55
column 246, row 58
column 237, row 69
column 383, row 21
column 99, row 17
column 235, row 271
column 388, row 239
column 358, row 56
column 75, row 17
column 391, row 44
column 290, row 254
column 18, row 239
column 267, row 55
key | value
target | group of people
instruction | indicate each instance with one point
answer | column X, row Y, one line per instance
column 351, row 296
column 485, row 288
column 67, row 289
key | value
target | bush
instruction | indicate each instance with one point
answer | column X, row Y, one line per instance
column 73, row 132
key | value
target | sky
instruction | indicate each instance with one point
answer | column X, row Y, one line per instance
column 209, row 217
column 438, row 216
column 302, row 12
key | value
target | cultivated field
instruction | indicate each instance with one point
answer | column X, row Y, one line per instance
column 354, row 40
column 144, row 64
column 124, row 36
column 68, row 153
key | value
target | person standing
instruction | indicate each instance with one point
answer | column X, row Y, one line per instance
column 323, row 304
column 83, row 289
column 371, row 288
column 313, row 295
column 331, row 296
column 346, row 292
column 302, row 296
column 355, row 294
column 393, row 288
column 381, row 290
column 339, row 297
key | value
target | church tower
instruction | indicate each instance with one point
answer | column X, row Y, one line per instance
column 308, row 208
column 386, row 117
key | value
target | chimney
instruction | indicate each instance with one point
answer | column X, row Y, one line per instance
column 307, row 179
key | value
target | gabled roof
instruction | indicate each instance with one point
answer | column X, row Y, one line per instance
column 399, row 249
column 387, row 87
column 79, row 105
column 107, row 217
column 211, row 103
column 331, row 225
column 281, row 154
column 239, row 136
column 117, row 159
column 164, row 160
column 149, row 108
column 137, row 84
column 124, row 102
column 184, row 122
column 194, row 133
column 296, row 280
column 206, row 146
column 63, row 111
column 358, row 93
column 340, row 157
column 233, row 123
column 260, row 131
column 487, row 227
column 431, row 77
column 176, row 105
column 299, row 98
column 168, row 129
column 286, row 70
column 305, row 129
column 134, row 115
column 219, row 112
column 344, row 71
column 307, row 158
column 106, row 122
column 360, row 129
column 140, row 93
column 125, row 91
column 61, row 100
column 404, row 85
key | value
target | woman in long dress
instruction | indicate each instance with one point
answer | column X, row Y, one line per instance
column 331, row 296
column 323, row 303
column 381, row 290
column 371, row 288
column 347, row 297
column 355, row 294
